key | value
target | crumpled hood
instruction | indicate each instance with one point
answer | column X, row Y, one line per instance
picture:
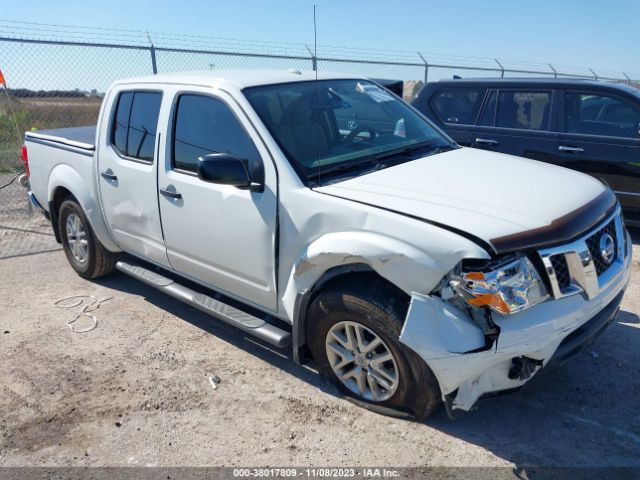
column 485, row 194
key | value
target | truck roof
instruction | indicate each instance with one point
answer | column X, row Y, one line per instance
column 238, row 78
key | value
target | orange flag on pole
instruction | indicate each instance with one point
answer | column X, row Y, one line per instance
column 2, row 80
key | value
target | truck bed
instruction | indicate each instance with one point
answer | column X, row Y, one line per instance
column 61, row 150
column 78, row 137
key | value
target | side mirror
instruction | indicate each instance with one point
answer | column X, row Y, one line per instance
column 226, row 169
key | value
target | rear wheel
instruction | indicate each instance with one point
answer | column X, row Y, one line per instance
column 85, row 253
column 353, row 335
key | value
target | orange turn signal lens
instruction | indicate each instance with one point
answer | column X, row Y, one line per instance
column 474, row 276
column 493, row 300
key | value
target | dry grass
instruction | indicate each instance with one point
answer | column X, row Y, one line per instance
column 40, row 113
column 60, row 112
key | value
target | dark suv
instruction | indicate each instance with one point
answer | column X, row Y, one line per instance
column 586, row 125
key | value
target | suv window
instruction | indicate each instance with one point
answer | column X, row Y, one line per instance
column 523, row 110
column 135, row 124
column 595, row 114
column 488, row 118
column 205, row 125
column 354, row 112
column 458, row 106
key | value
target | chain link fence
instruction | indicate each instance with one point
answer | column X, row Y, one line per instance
column 60, row 82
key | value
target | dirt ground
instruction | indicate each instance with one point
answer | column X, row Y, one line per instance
column 23, row 230
column 136, row 391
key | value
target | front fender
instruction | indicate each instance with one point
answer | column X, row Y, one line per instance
column 409, row 268
column 64, row 176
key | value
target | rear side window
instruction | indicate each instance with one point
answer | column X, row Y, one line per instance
column 135, row 124
column 596, row 114
column 205, row 125
column 523, row 110
column 121, row 122
column 488, row 118
column 458, row 105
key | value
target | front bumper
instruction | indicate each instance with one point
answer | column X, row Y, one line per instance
column 454, row 346
column 584, row 336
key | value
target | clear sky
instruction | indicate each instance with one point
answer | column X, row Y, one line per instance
column 590, row 33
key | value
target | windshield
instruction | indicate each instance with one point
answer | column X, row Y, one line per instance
column 330, row 126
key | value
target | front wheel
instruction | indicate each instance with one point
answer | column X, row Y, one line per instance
column 85, row 253
column 353, row 335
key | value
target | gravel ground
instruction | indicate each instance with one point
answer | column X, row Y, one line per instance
column 136, row 391
column 23, row 230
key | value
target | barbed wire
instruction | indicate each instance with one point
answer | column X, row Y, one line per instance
column 121, row 36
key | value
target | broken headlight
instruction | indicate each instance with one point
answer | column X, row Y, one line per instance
column 506, row 287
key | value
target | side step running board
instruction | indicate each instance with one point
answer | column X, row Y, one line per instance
column 242, row 320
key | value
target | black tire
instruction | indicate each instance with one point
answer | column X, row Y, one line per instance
column 371, row 302
column 99, row 261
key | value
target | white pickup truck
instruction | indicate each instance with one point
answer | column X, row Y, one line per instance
column 328, row 216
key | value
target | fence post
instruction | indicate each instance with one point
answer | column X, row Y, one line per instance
column 152, row 50
column 501, row 68
column 314, row 60
column 595, row 75
column 555, row 72
column 426, row 68
column 154, row 66
column 627, row 77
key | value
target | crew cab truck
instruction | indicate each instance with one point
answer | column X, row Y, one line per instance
column 409, row 269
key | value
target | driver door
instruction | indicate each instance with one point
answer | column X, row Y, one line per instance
column 218, row 235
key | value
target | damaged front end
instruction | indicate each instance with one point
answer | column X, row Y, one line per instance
column 489, row 327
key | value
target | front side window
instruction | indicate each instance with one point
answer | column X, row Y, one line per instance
column 334, row 125
column 135, row 124
column 458, row 105
column 205, row 125
column 596, row 114
column 523, row 110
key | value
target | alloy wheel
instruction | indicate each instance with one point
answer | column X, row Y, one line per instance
column 362, row 361
column 77, row 238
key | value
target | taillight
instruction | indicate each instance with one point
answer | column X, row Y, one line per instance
column 25, row 159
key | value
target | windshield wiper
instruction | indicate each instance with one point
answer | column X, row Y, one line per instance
column 404, row 153
column 341, row 168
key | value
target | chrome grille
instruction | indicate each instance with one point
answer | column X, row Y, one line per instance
column 580, row 266
column 594, row 248
column 559, row 263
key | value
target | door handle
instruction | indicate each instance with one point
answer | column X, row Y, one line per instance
column 486, row 141
column 109, row 175
column 564, row 148
column 170, row 194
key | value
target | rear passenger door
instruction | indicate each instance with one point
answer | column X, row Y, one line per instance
column 600, row 136
column 127, row 159
column 519, row 122
column 457, row 110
